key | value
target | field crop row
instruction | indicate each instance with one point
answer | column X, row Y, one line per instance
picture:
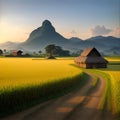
column 16, row 73
column 115, row 90
column 113, row 71
column 24, row 82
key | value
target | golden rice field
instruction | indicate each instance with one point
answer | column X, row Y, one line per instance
column 112, row 91
column 26, row 81
column 17, row 72
column 114, row 73
column 115, row 87
column 23, row 80
column 113, row 59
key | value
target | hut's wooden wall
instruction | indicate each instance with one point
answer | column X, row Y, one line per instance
column 91, row 65
column 96, row 65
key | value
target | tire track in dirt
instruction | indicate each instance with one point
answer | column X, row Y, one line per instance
column 77, row 105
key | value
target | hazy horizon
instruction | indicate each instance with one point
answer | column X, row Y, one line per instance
column 78, row 18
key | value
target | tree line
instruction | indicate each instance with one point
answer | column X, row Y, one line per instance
column 50, row 50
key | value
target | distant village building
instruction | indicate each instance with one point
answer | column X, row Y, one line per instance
column 17, row 53
column 91, row 58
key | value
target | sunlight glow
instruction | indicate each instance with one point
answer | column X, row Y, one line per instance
column 10, row 32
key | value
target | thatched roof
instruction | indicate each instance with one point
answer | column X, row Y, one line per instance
column 87, row 51
column 90, row 55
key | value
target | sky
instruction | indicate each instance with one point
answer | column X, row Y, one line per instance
column 71, row 18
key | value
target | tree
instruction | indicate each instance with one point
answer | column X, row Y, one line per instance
column 56, row 50
column 40, row 52
column 1, row 52
column 19, row 53
column 49, row 49
column 66, row 53
column 60, row 52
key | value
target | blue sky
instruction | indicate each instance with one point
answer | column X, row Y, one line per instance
column 78, row 18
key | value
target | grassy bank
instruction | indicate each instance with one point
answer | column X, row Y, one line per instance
column 114, row 73
column 106, row 100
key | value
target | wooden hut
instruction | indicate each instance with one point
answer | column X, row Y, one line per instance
column 91, row 58
column 14, row 52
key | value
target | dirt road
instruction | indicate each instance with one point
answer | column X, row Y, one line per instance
column 83, row 104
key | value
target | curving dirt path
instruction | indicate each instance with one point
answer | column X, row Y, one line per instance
column 83, row 104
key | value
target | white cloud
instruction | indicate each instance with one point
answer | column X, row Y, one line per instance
column 116, row 32
column 100, row 30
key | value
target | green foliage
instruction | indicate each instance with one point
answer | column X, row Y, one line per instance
column 115, row 88
column 60, row 52
column 49, row 49
column 95, row 82
column 56, row 50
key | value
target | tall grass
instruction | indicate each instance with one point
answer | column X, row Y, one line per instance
column 16, row 99
column 21, row 72
column 24, row 82
column 114, row 72
column 95, row 82
column 115, row 89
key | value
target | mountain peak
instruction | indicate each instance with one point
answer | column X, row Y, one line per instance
column 43, row 33
column 47, row 26
column 46, row 23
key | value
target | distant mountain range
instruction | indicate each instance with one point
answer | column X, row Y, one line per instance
column 46, row 34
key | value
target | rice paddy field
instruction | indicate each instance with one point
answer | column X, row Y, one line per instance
column 112, row 92
column 20, row 72
column 115, row 87
column 28, row 81
column 113, row 59
column 113, row 71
